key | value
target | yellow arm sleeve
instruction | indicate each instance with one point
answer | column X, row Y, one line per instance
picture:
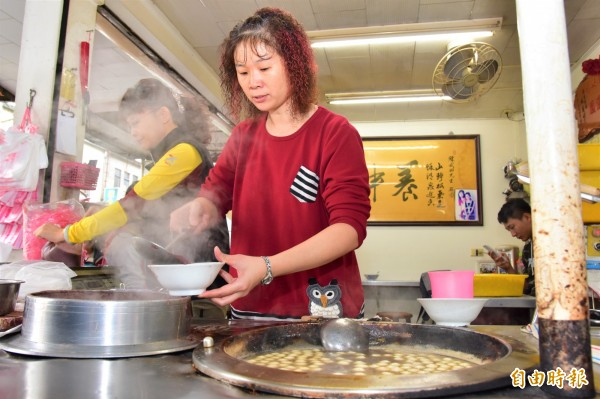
column 168, row 172
column 110, row 218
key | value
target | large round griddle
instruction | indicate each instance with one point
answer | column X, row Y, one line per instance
column 498, row 357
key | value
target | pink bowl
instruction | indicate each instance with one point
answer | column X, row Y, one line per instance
column 452, row 284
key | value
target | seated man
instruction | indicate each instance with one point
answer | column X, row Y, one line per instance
column 515, row 215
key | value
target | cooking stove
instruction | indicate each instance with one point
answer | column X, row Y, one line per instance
column 95, row 282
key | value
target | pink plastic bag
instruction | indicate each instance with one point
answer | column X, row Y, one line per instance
column 11, row 216
column 61, row 213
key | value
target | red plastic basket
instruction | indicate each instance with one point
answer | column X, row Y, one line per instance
column 78, row 175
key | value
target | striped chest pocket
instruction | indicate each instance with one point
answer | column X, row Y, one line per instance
column 305, row 186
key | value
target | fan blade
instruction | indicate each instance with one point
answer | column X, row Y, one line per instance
column 457, row 90
column 457, row 63
column 486, row 70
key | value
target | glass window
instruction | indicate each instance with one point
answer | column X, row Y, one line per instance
column 117, row 181
column 126, row 179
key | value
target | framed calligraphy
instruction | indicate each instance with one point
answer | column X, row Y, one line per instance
column 425, row 180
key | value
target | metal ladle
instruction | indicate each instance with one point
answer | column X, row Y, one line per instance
column 344, row 335
column 156, row 253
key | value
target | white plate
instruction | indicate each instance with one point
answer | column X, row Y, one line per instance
column 185, row 292
column 452, row 324
column 10, row 331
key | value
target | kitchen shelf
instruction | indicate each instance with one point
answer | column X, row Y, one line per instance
column 390, row 283
column 588, row 193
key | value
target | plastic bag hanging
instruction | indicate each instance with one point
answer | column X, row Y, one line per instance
column 27, row 125
column 22, row 153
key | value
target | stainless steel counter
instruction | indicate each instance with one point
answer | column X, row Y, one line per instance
column 524, row 301
column 396, row 296
column 167, row 376
column 390, row 283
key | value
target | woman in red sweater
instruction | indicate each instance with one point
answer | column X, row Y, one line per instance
column 294, row 176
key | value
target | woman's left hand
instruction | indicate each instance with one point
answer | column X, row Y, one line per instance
column 250, row 272
column 51, row 232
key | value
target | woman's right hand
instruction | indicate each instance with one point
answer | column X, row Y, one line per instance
column 250, row 272
column 197, row 216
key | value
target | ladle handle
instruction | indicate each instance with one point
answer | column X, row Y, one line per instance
column 178, row 237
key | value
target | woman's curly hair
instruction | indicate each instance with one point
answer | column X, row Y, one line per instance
column 280, row 31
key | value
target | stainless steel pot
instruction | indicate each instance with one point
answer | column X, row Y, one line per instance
column 118, row 323
column 9, row 290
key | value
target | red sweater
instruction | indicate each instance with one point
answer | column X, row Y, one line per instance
column 284, row 190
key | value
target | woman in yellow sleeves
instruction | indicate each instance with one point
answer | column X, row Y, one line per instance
column 173, row 130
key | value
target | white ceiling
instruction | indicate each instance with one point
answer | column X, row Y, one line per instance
column 11, row 25
column 204, row 24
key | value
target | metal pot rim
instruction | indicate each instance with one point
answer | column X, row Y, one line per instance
column 217, row 362
column 11, row 281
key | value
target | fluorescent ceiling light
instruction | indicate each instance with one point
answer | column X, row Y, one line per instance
column 436, row 37
column 381, row 100
column 382, row 97
column 435, row 31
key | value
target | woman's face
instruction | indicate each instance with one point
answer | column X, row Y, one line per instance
column 147, row 127
column 262, row 76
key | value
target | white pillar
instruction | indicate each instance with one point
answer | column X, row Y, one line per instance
column 553, row 163
column 559, row 252
column 81, row 25
column 37, row 60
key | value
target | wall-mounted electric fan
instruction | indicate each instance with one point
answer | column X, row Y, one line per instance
column 466, row 72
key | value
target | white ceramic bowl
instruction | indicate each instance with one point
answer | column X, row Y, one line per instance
column 187, row 279
column 453, row 312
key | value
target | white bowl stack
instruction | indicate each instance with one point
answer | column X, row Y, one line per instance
column 454, row 312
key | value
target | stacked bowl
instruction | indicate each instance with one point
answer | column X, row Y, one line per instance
column 452, row 302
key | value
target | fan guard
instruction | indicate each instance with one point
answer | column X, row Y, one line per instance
column 467, row 72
